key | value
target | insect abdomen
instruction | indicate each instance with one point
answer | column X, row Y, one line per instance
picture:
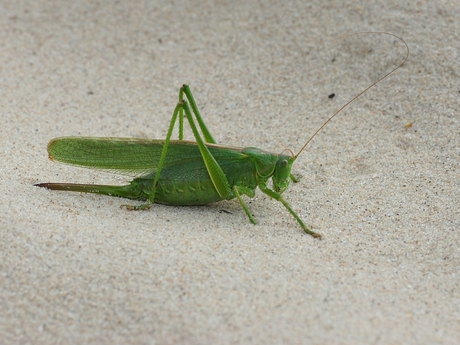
column 184, row 193
column 176, row 188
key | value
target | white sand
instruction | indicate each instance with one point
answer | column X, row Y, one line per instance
column 76, row 268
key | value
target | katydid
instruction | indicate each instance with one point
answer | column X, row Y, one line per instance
column 181, row 172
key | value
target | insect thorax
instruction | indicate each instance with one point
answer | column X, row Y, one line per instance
column 277, row 166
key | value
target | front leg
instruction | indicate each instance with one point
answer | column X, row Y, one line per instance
column 295, row 178
column 263, row 187
column 237, row 191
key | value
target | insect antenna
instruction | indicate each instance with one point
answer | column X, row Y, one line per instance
column 365, row 90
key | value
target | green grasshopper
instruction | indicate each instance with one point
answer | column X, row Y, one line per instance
column 181, row 172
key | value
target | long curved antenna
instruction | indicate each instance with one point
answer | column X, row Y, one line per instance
column 370, row 86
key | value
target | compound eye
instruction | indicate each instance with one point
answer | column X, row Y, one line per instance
column 284, row 162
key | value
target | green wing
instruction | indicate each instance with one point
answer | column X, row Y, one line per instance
column 131, row 156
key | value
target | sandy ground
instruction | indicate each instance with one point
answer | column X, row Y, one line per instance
column 381, row 182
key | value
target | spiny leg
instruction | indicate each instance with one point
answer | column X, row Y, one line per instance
column 185, row 89
column 301, row 223
column 181, row 114
column 278, row 197
column 151, row 199
column 179, row 111
column 217, row 175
